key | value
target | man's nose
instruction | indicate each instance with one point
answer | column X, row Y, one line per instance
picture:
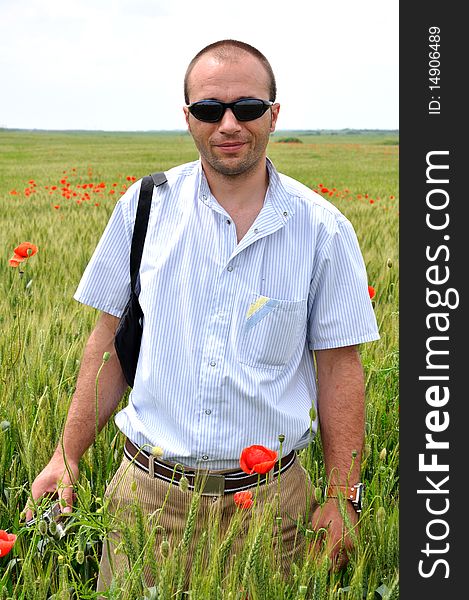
column 229, row 123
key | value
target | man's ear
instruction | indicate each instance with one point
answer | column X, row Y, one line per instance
column 186, row 116
column 275, row 109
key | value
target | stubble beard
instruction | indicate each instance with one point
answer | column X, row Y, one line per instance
column 222, row 167
column 234, row 167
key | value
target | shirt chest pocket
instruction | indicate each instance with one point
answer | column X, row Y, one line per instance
column 272, row 331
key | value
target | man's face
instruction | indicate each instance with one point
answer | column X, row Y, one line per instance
column 230, row 147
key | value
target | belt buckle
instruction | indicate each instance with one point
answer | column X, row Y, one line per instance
column 212, row 485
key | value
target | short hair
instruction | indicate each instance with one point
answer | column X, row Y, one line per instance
column 226, row 49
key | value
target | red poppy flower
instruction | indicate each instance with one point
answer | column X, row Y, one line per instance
column 371, row 291
column 7, row 541
column 22, row 252
column 243, row 499
column 257, row 459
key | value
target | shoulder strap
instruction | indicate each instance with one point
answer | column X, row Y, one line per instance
column 141, row 223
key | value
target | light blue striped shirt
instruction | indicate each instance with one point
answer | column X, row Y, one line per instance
column 226, row 360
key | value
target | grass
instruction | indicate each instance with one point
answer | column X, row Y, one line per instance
column 43, row 335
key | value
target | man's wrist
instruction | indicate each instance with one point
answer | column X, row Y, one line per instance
column 352, row 493
column 62, row 456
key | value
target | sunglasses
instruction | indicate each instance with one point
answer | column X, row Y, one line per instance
column 212, row 111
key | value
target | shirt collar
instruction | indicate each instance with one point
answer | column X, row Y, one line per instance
column 277, row 196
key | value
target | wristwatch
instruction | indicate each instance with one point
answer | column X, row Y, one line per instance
column 354, row 493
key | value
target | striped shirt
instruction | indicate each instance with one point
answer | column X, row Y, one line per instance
column 225, row 359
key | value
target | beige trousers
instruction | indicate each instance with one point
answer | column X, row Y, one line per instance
column 291, row 498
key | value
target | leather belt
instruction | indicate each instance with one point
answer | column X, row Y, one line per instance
column 209, row 483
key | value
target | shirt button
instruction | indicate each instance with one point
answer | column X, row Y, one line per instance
column 285, row 214
column 256, row 230
column 204, row 457
column 213, row 363
column 208, row 411
column 230, row 268
column 228, row 222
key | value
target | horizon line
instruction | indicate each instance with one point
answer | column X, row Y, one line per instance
column 184, row 131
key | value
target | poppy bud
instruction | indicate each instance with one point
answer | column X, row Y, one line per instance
column 133, row 486
column 389, row 263
column 183, row 484
column 382, row 454
column 106, row 356
column 312, row 413
column 80, row 557
column 42, row 526
column 164, row 548
column 281, row 438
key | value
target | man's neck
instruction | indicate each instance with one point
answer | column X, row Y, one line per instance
column 239, row 192
column 242, row 196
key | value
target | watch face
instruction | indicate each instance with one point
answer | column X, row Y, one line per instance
column 357, row 501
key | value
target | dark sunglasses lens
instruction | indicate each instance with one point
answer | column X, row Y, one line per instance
column 249, row 109
column 207, row 111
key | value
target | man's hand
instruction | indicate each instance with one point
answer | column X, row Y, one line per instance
column 58, row 477
column 340, row 530
column 55, row 480
column 341, row 409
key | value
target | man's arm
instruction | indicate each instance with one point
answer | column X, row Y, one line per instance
column 341, row 409
column 80, row 427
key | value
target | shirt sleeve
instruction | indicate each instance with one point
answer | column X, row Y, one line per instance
column 340, row 309
column 105, row 283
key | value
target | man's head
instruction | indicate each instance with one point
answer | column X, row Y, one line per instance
column 232, row 142
column 224, row 50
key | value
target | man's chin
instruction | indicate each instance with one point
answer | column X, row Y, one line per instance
column 231, row 166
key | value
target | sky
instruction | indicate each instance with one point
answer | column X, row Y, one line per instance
column 118, row 65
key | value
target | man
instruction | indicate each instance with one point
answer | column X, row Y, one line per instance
column 252, row 286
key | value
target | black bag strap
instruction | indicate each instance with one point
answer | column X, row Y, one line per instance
column 141, row 223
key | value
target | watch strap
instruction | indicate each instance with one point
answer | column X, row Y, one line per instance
column 348, row 492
